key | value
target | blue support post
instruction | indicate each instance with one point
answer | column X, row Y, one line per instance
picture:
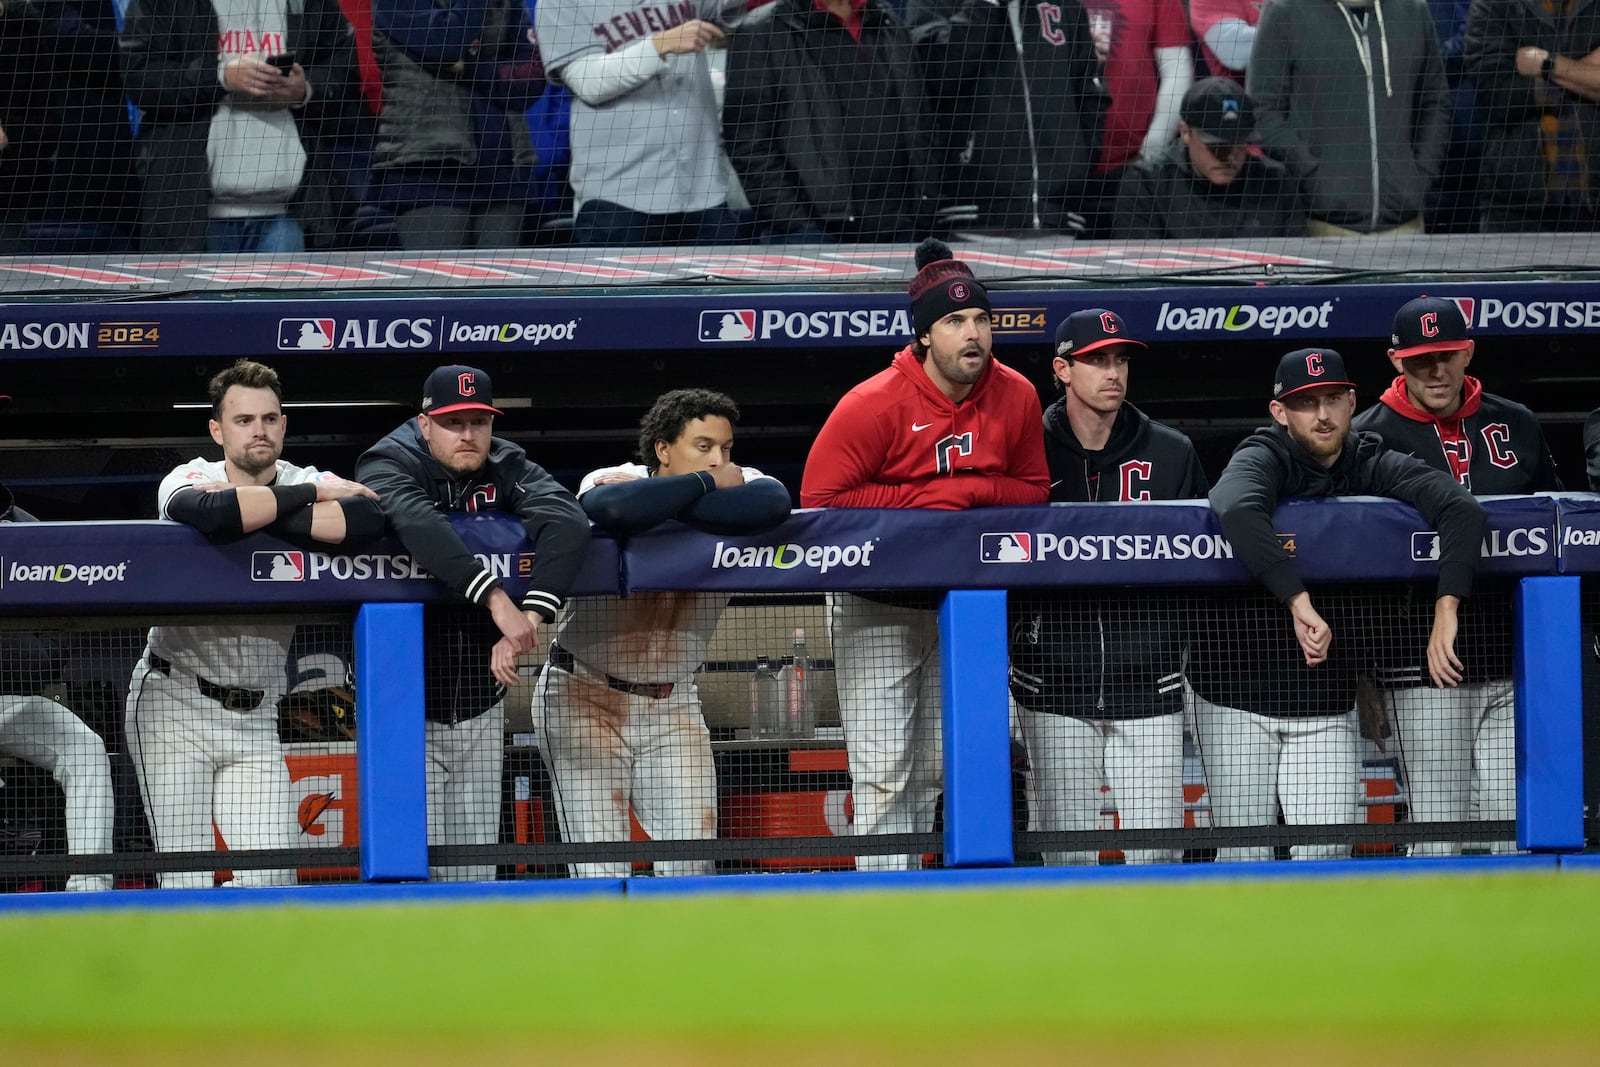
column 1549, row 715
column 389, row 743
column 977, row 730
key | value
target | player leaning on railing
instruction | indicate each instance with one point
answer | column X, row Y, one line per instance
column 1277, row 733
column 446, row 460
column 202, row 705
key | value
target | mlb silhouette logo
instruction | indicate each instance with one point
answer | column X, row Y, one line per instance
column 278, row 566
column 729, row 324
column 305, row 335
column 1425, row 546
column 1005, row 547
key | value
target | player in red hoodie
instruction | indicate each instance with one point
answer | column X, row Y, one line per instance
column 945, row 426
column 1458, row 744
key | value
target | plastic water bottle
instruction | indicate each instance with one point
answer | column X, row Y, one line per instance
column 766, row 701
column 800, row 707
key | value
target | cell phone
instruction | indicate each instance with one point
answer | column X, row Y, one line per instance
column 284, row 61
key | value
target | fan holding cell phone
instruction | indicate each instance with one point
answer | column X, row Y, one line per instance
column 228, row 90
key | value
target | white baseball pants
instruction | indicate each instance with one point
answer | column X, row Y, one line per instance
column 198, row 764
column 886, row 663
column 463, row 781
column 1459, row 751
column 608, row 750
column 41, row 732
column 1142, row 759
column 1254, row 763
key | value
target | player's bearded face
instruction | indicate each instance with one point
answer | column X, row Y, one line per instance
column 250, row 428
column 459, row 440
column 959, row 347
column 1318, row 419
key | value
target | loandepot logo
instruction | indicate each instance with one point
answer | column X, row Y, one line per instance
column 820, row 558
column 1276, row 318
column 508, row 333
column 1500, row 544
column 1099, row 548
column 86, row 573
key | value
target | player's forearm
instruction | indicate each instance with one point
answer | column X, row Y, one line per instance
column 1009, row 491
column 626, row 508
column 750, row 508
column 351, row 521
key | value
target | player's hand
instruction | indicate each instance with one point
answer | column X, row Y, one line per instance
column 687, row 37
column 1443, row 665
column 503, row 662
column 340, row 488
column 616, row 478
column 727, row 475
column 1310, row 629
column 1530, row 60
column 519, row 627
column 3, row 139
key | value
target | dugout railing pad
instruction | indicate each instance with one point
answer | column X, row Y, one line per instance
column 1545, row 542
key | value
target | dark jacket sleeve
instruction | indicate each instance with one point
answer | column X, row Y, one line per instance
column 750, row 117
column 1195, row 482
column 1545, row 477
column 1270, row 83
column 1138, row 210
column 327, row 53
column 1591, row 449
column 1507, row 97
column 423, row 528
column 559, row 531
column 165, row 81
column 1446, row 504
column 433, row 33
column 1244, row 499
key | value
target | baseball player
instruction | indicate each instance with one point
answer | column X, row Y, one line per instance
column 1099, row 676
column 1275, row 719
column 647, row 159
column 945, row 426
column 37, row 730
column 447, row 460
column 622, row 718
column 1459, row 741
column 202, row 704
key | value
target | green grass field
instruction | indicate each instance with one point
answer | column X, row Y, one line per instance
column 1438, row 969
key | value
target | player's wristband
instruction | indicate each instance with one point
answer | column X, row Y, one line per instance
column 293, row 498
column 1547, row 69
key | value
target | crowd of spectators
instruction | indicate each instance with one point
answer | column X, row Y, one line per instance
column 283, row 125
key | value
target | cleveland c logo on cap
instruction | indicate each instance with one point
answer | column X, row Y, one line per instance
column 1108, row 322
column 464, row 384
column 959, row 291
column 1430, row 324
column 1314, row 364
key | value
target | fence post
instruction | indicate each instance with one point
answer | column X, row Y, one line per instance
column 1549, row 714
column 389, row 743
column 977, row 730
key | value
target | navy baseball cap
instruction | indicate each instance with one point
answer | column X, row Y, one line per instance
column 1089, row 329
column 1428, row 324
column 1307, row 368
column 458, row 388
